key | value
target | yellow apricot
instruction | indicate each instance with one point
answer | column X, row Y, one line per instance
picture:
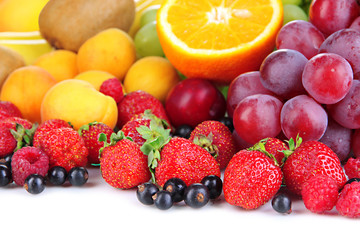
column 95, row 77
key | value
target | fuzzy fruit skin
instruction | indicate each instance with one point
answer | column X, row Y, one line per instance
column 45, row 127
column 251, row 179
column 348, row 204
column 222, row 138
column 7, row 142
column 65, row 148
column 27, row 161
column 137, row 102
column 129, row 129
column 91, row 140
column 309, row 159
column 124, row 165
column 8, row 109
column 320, row 193
column 352, row 168
column 184, row 159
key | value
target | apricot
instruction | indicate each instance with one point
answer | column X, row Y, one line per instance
column 78, row 102
column 95, row 77
column 26, row 87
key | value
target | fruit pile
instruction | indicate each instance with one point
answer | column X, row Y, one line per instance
column 276, row 124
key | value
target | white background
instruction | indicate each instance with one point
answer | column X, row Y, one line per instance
column 98, row 211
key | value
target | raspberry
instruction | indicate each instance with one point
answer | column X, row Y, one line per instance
column 348, row 204
column 113, row 88
column 352, row 168
column 27, row 161
column 320, row 193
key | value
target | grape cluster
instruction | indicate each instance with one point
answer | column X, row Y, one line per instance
column 309, row 86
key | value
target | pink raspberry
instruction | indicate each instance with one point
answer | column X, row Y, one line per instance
column 27, row 161
column 320, row 193
column 113, row 88
column 348, row 204
column 352, row 168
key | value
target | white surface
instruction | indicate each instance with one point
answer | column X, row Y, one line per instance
column 99, row 211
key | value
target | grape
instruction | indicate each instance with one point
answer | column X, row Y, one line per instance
column 240, row 144
column 257, row 117
column 147, row 42
column 338, row 138
column 281, row 72
column 244, row 85
column 303, row 116
column 347, row 111
column 148, row 15
column 355, row 24
column 302, row 36
column 330, row 16
column 327, row 77
column 346, row 43
column 355, row 143
column 293, row 12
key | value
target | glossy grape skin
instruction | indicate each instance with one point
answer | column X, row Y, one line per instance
column 147, row 42
column 345, row 43
column 240, row 143
column 193, row 101
column 327, row 78
column 301, row 36
column 281, row 73
column 355, row 24
column 355, row 143
column 347, row 111
column 338, row 138
column 257, row 117
column 330, row 16
column 242, row 86
column 304, row 116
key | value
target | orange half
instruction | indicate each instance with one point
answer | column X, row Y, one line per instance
column 218, row 39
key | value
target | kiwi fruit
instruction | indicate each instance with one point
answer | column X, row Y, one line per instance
column 67, row 24
column 9, row 61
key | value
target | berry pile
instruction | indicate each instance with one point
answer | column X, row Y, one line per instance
column 196, row 195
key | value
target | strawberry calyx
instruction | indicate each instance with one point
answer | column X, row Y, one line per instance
column 293, row 144
column 114, row 138
column 156, row 136
column 260, row 146
column 206, row 142
column 23, row 136
column 86, row 127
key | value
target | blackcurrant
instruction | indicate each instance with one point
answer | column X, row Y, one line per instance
column 183, row 131
column 227, row 121
column 145, row 192
column 78, row 176
column 34, row 184
column 214, row 184
column 6, row 161
column 197, row 195
column 57, row 175
column 5, row 175
column 281, row 203
column 176, row 187
column 163, row 200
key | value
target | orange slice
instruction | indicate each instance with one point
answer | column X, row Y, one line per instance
column 218, row 39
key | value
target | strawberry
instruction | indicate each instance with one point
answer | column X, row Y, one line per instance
column 113, row 88
column 8, row 109
column 276, row 147
column 308, row 159
column 217, row 139
column 46, row 126
column 136, row 103
column 7, row 142
column 11, row 122
column 90, row 133
column 122, row 163
column 65, row 148
column 251, row 179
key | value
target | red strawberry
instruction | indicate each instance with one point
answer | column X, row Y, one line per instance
column 136, row 103
column 352, row 168
column 27, row 161
column 217, row 139
column 11, row 122
column 45, row 127
column 309, row 159
column 348, row 204
column 90, row 133
column 320, row 193
column 276, row 147
column 8, row 109
column 123, row 164
column 113, row 88
column 7, row 142
column 251, row 179
column 65, row 148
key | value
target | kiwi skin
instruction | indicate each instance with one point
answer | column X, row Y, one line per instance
column 67, row 24
column 9, row 61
